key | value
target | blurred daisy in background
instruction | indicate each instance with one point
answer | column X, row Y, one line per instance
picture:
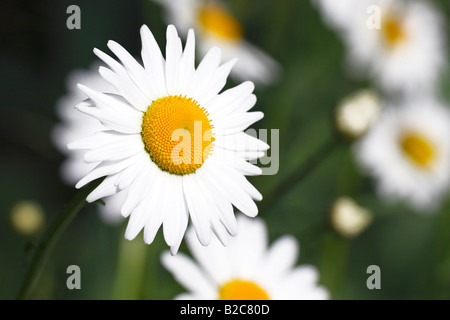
column 408, row 152
column 155, row 107
column 75, row 125
column 215, row 26
column 400, row 44
column 246, row 269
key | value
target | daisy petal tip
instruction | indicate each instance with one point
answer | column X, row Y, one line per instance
column 145, row 31
column 130, row 235
column 71, row 146
column 171, row 31
column 90, row 198
column 167, row 258
column 174, row 250
column 124, row 213
column 191, row 32
column 80, row 184
column 250, row 85
column 82, row 87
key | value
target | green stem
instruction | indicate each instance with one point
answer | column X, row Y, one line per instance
column 130, row 270
column 50, row 237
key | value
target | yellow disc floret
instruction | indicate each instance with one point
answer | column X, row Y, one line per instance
column 177, row 134
column 393, row 31
column 217, row 21
column 242, row 290
column 418, row 149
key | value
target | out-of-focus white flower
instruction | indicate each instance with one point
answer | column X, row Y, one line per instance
column 400, row 44
column 76, row 125
column 246, row 269
column 215, row 26
column 408, row 152
column 356, row 114
column 348, row 218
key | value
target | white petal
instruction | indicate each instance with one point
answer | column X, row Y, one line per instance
column 224, row 205
column 240, row 141
column 139, row 187
column 94, row 140
column 250, row 155
column 126, row 88
column 213, row 259
column 236, row 122
column 187, row 63
column 237, row 162
column 153, row 61
column 198, row 209
column 282, row 255
column 230, row 189
column 214, row 211
column 128, row 176
column 105, row 189
column 113, row 113
column 230, row 99
column 158, row 206
column 252, row 234
column 173, row 55
column 106, row 168
column 241, row 181
column 218, row 81
column 204, row 74
column 135, row 71
column 137, row 218
column 123, row 147
column 176, row 220
column 187, row 273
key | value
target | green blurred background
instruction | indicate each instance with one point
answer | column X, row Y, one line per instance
column 37, row 52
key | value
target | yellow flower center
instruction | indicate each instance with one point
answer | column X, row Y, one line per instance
column 393, row 31
column 177, row 134
column 242, row 290
column 217, row 21
column 418, row 149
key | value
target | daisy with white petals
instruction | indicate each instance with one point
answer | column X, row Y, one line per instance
column 246, row 269
column 173, row 141
column 75, row 125
column 401, row 44
column 408, row 152
column 215, row 26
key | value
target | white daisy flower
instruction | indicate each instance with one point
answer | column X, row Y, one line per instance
column 75, row 125
column 215, row 26
column 246, row 269
column 401, row 44
column 408, row 152
column 173, row 141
